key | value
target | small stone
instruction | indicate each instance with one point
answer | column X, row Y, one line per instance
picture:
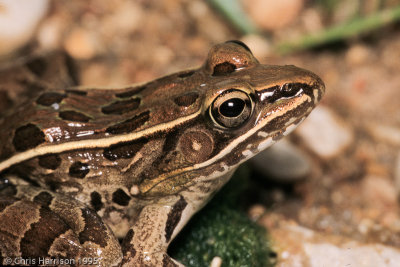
column 312, row 20
column 325, row 134
column 216, row 262
column 379, row 192
column 282, row 162
column 358, row 55
column 198, row 9
column 81, row 44
column 351, row 254
column 256, row 211
column 272, row 14
column 385, row 133
column 259, row 46
column 127, row 18
column 297, row 245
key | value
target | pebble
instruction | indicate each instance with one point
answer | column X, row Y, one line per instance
column 358, row 54
column 312, row 20
column 351, row 254
column 271, row 14
column 297, row 245
column 385, row 133
column 256, row 211
column 282, row 162
column 81, row 44
column 379, row 192
column 260, row 46
column 18, row 21
column 325, row 134
column 216, row 262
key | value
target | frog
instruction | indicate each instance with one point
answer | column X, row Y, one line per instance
column 112, row 175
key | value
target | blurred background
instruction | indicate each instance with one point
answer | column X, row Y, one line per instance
column 329, row 193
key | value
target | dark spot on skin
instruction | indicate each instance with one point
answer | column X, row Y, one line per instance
column 131, row 92
column 169, row 144
column 50, row 98
column 126, row 244
column 43, row 198
column 37, row 66
column 7, row 188
column 95, row 201
column 170, row 141
column 186, row 74
column 41, row 234
column 186, row 100
column 240, row 43
column 71, row 115
column 95, row 230
column 53, row 185
column 173, row 217
column 121, row 198
column 50, row 161
column 79, row 170
column 122, row 106
column 129, row 125
column 24, row 170
column 124, row 150
column 223, row 69
column 76, row 92
column 28, row 136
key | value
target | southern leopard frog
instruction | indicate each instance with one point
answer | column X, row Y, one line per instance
column 84, row 167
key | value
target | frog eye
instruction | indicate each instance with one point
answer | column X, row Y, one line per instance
column 231, row 109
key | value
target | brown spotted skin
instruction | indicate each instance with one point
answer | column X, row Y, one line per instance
column 25, row 78
column 135, row 163
column 37, row 223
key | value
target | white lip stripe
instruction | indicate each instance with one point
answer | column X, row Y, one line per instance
column 90, row 143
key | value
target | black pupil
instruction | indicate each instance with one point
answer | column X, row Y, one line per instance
column 232, row 107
